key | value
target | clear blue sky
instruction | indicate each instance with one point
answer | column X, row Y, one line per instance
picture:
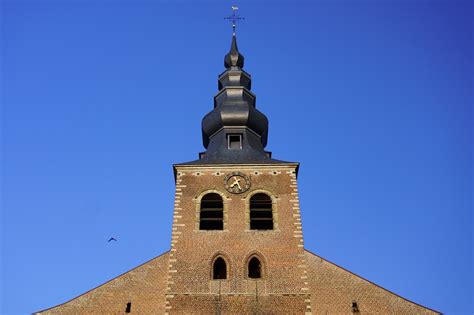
column 100, row 98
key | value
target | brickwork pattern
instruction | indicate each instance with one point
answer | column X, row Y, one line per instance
column 284, row 285
column 143, row 287
column 239, row 304
column 334, row 289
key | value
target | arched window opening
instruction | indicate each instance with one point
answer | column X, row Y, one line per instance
column 219, row 270
column 255, row 268
column 261, row 215
column 212, row 212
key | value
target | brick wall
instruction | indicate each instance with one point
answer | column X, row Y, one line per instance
column 283, row 287
column 143, row 287
column 334, row 289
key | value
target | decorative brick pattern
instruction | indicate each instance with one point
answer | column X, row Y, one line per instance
column 333, row 289
column 143, row 287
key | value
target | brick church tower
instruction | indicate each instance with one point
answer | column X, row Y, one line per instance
column 237, row 241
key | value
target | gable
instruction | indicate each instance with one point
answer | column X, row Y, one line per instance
column 144, row 287
column 335, row 289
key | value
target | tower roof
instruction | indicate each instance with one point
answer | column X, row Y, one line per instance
column 235, row 131
column 234, row 59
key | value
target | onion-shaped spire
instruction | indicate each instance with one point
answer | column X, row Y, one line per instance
column 235, row 131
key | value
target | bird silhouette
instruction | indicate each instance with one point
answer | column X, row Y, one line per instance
column 112, row 239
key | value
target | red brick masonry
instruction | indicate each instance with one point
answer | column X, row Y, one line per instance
column 333, row 289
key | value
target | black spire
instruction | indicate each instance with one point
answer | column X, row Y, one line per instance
column 234, row 59
column 235, row 131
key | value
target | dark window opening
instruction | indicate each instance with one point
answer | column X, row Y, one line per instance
column 234, row 141
column 255, row 268
column 128, row 309
column 212, row 212
column 355, row 308
column 219, row 270
column 261, row 214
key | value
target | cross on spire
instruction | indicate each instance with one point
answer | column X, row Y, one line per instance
column 234, row 18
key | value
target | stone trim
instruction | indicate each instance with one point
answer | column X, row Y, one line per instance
column 227, row 261
column 263, row 262
column 175, row 233
column 298, row 235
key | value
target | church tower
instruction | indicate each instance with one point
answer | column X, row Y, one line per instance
column 237, row 244
column 237, row 240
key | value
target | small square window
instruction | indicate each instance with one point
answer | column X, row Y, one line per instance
column 234, row 141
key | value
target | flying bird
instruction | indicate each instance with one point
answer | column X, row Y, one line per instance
column 112, row 239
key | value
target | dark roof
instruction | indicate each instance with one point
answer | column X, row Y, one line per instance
column 234, row 114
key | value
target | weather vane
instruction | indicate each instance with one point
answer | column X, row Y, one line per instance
column 234, row 18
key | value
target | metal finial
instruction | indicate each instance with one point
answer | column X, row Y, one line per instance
column 234, row 18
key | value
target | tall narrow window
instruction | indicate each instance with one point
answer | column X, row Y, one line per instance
column 255, row 268
column 261, row 215
column 219, row 270
column 212, row 212
column 355, row 308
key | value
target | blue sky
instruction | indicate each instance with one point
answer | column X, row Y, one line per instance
column 100, row 98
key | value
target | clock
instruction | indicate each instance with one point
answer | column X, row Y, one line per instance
column 236, row 182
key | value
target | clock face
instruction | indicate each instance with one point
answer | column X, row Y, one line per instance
column 237, row 182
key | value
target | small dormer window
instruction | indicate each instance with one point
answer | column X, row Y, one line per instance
column 234, row 141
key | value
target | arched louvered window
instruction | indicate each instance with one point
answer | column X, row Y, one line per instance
column 261, row 214
column 211, row 216
column 254, row 268
column 219, row 269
